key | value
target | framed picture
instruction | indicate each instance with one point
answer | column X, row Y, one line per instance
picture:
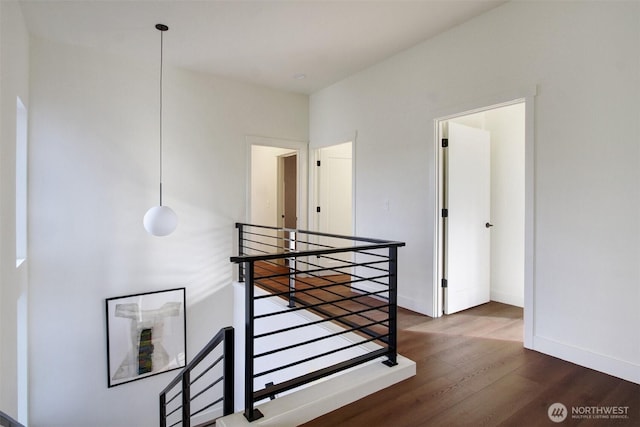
column 146, row 335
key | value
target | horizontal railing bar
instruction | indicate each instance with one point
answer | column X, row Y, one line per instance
column 179, row 407
column 322, row 302
column 330, row 316
column 268, row 227
column 317, row 356
column 313, row 340
column 295, row 254
column 367, row 264
column 172, row 384
column 316, row 233
column 316, row 375
column 255, row 250
column 374, row 254
column 363, row 278
column 285, row 240
column 176, row 423
column 253, row 233
column 260, row 316
column 307, row 291
column 344, row 263
column 271, row 245
column 207, row 407
column 215, row 363
column 290, row 328
column 194, row 397
column 351, row 323
column 337, row 271
column 282, row 240
column 173, row 398
column 332, row 284
column 318, row 270
column 359, row 294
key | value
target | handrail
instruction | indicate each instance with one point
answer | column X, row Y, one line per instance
column 226, row 337
column 343, row 280
column 321, row 234
column 315, row 252
column 7, row 421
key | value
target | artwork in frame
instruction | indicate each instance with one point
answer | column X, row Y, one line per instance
column 146, row 335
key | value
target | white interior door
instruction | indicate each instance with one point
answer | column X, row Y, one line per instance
column 335, row 195
column 335, row 189
column 468, row 242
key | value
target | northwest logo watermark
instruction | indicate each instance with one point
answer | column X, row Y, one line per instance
column 557, row 412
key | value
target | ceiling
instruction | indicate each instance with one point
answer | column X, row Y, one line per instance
column 266, row 42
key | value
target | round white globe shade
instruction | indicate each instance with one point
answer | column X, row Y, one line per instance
column 160, row 221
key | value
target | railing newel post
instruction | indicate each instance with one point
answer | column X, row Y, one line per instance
column 250, row 412
column 393, row 306
column 186, row 398
column 163, row 409
column 240, row 228
column 229, row 371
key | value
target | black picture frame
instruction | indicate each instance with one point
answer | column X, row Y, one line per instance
column 146, row 335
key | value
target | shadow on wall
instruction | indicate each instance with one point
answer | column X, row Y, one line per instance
column 206, row 248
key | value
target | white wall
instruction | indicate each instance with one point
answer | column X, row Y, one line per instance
column 94, row 173
column 583, row 56
column 14, row 72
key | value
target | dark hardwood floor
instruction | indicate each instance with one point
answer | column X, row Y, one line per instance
column 472, row 370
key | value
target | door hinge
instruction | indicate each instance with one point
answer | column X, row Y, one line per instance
column 445, row 213
column 445, row 142
column 318, row 163
column 444, row 283
column 318, row 209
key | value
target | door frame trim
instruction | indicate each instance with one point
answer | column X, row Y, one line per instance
column 526, row 95
column 302, row 147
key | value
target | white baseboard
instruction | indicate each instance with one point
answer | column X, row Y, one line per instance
column 618, row 368
column 413, row 305
column 506, row 298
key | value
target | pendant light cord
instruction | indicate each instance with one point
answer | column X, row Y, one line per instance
column 161, row 62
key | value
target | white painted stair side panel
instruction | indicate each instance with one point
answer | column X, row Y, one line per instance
column 326, row 396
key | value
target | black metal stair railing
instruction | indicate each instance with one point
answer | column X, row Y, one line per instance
column 205, row 384
column 7, row 421
column 344, row 291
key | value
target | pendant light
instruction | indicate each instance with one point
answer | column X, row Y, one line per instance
column 160, row 220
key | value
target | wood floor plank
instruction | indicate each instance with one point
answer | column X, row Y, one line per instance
column 506, row 396
column 466, row 376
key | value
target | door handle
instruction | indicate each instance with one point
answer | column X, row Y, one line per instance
column 488, row 225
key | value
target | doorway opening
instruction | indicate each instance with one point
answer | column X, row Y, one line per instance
column 483, row 200
column 288, row 190
column 276, row 182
